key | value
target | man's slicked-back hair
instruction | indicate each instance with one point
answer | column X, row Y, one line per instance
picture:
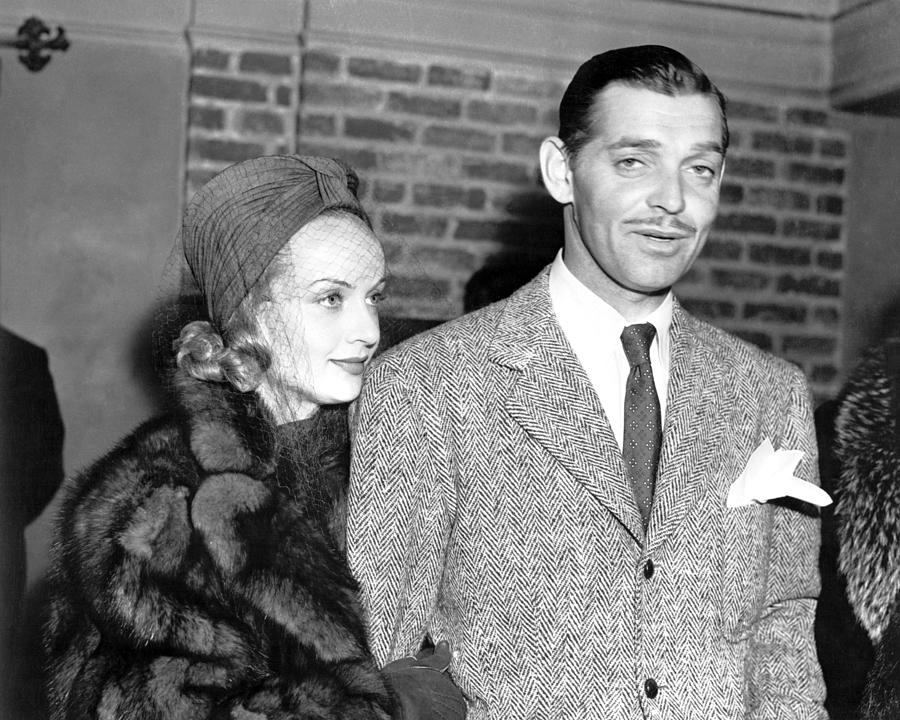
column 654, row 67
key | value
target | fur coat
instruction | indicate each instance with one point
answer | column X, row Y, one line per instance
column 867, row 512
column 199, row 572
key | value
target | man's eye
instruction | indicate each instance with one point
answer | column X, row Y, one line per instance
column 629, row 163
column 705, row 171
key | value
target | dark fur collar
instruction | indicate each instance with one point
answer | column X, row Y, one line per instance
column 868, row 494
column 228, row 430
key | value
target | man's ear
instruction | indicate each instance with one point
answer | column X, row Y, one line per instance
column 555, row 169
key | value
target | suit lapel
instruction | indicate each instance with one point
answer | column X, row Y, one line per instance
column 700, row 405
column 554, row 402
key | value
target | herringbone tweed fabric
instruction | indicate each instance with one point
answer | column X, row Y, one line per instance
column 490, row 506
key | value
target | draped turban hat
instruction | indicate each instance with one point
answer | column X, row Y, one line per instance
column 235, row 224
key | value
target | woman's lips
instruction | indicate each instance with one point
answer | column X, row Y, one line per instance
column 354, row 366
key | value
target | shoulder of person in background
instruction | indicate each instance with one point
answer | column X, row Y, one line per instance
column 31, row 428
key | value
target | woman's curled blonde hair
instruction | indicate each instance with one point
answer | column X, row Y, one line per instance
column 202, row 352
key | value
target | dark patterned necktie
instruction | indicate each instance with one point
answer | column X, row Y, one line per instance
column 643, row 427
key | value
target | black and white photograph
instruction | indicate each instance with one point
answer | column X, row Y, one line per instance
column 450, row 359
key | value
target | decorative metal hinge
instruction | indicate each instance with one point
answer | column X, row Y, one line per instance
column 30, row 40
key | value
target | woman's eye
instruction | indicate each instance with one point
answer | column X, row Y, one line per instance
column 375, row 298
column 332, row 300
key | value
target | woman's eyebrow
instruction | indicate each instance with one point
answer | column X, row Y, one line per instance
column 343, row 283
column 333, row 281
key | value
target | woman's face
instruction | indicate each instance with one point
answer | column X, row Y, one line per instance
column 320, row 320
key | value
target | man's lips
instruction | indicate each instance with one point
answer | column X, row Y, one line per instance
column 661, row 233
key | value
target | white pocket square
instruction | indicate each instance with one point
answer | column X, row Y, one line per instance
column 770, row 474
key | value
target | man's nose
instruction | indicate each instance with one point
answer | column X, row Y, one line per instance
column 668, row 192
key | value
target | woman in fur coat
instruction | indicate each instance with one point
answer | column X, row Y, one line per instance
column 859, row 621
column 199, row 566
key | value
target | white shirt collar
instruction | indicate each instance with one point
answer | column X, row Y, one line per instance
column 594, row 328
column 579, row 308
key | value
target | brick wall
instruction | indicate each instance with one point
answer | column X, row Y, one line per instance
column 772, row 270
column 447, row 151
column 242, row 103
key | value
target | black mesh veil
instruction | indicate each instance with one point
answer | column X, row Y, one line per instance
column 259, row 244
column 232, row 230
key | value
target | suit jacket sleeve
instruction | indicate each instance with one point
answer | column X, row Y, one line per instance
column 401, row 494
column 31, row 431
column 783, row 674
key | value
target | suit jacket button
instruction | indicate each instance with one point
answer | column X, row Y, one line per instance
column 649, row 569
column 651, row 689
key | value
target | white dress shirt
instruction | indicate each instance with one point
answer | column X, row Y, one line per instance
column 593, row 329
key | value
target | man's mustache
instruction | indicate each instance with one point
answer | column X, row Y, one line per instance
column 662, row 223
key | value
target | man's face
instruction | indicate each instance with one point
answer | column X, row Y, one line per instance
column 645, row 190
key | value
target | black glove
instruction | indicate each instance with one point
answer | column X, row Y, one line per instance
column 422, row 688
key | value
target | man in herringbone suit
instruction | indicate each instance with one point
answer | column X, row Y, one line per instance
column 496, row 497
